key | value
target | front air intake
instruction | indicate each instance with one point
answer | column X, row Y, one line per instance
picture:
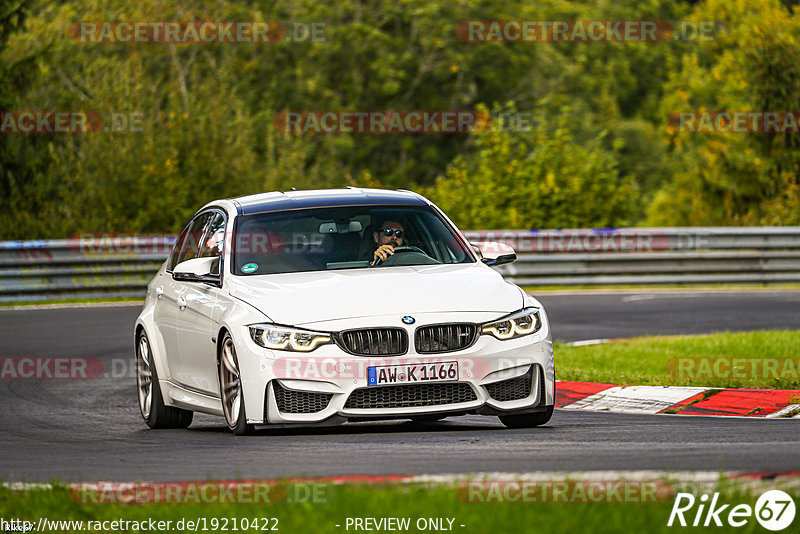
column 513, row 388
column 411, row 395
column 292, row 401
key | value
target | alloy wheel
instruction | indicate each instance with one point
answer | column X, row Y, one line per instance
column 144, row 376
column 230, row 383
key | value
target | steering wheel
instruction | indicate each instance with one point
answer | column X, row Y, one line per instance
column 404, row 248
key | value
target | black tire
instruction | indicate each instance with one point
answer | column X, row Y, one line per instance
column 237, row 423
column 159, row 415
column 527, row 420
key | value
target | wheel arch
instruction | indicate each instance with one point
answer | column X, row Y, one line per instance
column 156, row 349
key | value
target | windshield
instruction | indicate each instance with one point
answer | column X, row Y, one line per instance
column 342, row 238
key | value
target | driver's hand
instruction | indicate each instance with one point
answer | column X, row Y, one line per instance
column 382, row 252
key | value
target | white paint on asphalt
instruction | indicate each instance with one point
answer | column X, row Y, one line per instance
column 587, row 342
column 26, row 486
column 646, row 296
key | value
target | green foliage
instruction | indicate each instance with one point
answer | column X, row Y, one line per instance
column 320, row 506
column 542, row 179
column 735, row 178
column 600, row 155
column 654, row 360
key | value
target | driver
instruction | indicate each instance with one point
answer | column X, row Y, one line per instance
column 390, row 234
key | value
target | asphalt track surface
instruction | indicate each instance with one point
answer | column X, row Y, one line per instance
column 84, row 430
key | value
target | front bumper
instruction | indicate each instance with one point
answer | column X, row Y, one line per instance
column 329, row 386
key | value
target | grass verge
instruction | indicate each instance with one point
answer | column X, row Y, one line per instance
column 762, row 359
column 397, row 501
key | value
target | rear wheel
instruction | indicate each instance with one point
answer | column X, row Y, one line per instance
column 527, row 420
column 230, row 388
column 151, row 404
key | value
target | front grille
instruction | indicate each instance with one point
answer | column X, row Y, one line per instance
column 375, row 341
column 291, row 401
column 513, row 388
column 444, row 337
column 411, row 395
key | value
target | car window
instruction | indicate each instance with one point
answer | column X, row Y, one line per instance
column 213, row 241
column 176, row 249
column 340, row 238
column 214, row 238
column 190, row 245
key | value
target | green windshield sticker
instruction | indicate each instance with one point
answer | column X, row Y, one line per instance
column 249, row 267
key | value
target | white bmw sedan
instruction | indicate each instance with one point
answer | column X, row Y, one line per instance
column 322, row 307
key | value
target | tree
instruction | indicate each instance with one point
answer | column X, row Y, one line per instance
column 539, row 179
column 735, row 178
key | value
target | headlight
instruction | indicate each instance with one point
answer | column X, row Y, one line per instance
column 518, row 324
column 275, row 337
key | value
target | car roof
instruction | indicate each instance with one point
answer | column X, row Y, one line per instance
column 324, row 198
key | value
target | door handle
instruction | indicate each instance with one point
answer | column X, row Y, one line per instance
column 181, row 303
column 159, row 292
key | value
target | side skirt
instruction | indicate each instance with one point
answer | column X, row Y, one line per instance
column 181, row 397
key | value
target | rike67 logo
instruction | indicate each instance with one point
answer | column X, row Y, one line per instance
column 774, row 510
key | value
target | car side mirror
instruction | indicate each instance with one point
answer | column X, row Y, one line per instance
column 494, row 254
column 197, row 270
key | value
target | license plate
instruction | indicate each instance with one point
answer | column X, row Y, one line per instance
column 412, row 373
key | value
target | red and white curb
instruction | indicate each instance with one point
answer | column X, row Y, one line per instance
column 593, row 396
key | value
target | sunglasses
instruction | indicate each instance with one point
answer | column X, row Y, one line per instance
column 388, row 231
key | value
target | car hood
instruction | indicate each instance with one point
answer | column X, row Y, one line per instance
column 312, row 297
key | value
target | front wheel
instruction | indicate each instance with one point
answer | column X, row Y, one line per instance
column 527, row 420
column 151, row 404
column 230, row 388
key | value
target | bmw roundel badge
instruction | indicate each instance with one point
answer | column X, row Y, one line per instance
column 408, row 319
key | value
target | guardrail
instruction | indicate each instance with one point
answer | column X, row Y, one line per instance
column 122, row 266
column 647, row 256
column 61, row 269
